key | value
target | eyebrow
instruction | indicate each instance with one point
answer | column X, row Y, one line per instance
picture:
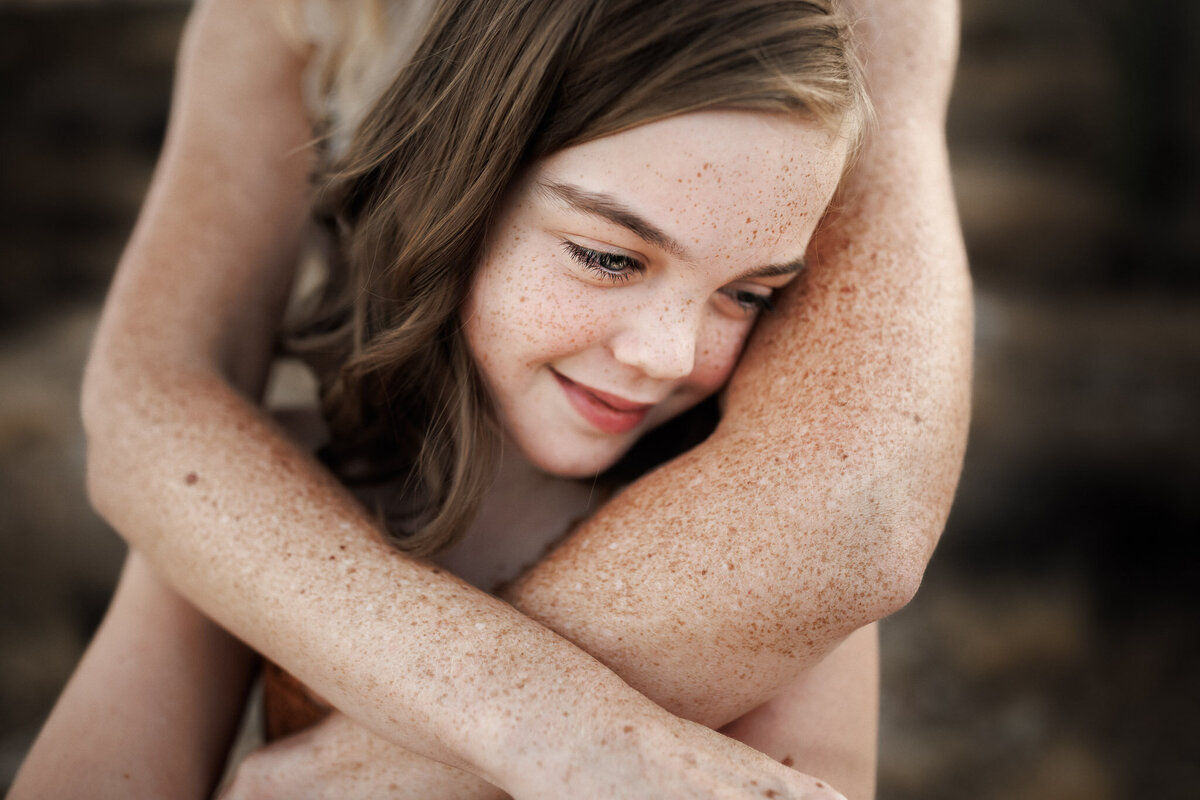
column 609, row 208
column 775, row 270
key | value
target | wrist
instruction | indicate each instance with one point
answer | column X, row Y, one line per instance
column 613, row 729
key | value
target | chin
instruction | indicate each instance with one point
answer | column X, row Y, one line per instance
column 582, row 465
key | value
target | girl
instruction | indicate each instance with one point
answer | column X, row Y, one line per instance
column 589, row 319
column 535, row 716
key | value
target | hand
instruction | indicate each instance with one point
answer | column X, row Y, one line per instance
column 678, row 760
column 672, row 758
column 339, row 760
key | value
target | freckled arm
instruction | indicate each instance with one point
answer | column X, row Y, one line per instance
column 814, row 508
column 256, row 539
column 254, row 533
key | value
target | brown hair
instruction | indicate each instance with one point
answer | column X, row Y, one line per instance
column 492, row 87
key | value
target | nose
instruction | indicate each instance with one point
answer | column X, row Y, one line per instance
column 661, row 342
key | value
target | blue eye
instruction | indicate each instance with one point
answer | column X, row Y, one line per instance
column 611, row 266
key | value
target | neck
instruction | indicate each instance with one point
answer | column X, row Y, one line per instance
column 524, row 513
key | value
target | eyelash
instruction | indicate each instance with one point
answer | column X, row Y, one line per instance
column 611, row 266
column 619, row 269
column 752, row 301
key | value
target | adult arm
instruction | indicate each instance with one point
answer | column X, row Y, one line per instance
column 183, row 463
column 152, row 707
column 824, row 723
column 815, row 506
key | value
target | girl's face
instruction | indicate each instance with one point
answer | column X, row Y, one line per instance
column 623, row 275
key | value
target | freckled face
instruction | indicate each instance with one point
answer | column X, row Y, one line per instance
column 623, row 275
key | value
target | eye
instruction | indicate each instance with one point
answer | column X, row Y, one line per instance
column 749, row 302
column 611, row 266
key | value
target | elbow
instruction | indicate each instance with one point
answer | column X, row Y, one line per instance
column 880, row 552
column 102, row 405
column 895, row 549
column 122, row 399
column 94, row 401
column 893, row 580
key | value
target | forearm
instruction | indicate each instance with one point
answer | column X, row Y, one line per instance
column 824, row 723
column 151, row 709
column 185, row 466
column 257, row 536
column 815, row 506
column 266, row 542
column 340, row 760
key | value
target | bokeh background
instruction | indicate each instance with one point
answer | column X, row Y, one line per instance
column 1053, row 652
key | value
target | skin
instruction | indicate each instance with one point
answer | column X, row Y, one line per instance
column 872, row 354
column 824, row 723
column 143, row 715
column 659, row 323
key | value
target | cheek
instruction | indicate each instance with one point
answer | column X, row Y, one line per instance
column 522, row 313
column 718, row 354
column 570, row 316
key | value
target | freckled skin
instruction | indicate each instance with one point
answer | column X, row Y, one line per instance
column 669, row 334
column 877, row 336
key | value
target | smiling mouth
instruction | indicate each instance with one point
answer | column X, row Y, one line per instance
column 609, row 413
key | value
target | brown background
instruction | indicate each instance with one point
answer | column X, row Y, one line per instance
column 1053, row 651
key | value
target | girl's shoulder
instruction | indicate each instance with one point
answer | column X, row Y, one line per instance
column 355, row 48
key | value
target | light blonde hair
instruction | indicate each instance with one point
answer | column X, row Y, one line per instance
column 491, row 88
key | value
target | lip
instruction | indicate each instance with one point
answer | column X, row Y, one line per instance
column 607, row 412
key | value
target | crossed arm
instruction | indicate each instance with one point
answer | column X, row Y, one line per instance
column 823, row 490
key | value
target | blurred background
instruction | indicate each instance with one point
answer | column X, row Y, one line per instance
column 1053, row 652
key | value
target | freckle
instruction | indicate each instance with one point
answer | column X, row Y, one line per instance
column 191, row 478
column 787, row 761
column 770, row 793
column 628, row 729
column 820, row 785
column 333, row 558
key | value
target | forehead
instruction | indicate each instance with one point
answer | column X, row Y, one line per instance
column 745, row 185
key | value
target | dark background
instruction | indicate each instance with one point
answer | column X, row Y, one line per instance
column 1053, row 652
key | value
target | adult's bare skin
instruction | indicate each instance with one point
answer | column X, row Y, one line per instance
column 823, row 724
column 887, row 304
column 151, row 707
column 249, row 528
column 817, row 503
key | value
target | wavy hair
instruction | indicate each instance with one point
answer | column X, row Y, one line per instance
column 492, row 87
